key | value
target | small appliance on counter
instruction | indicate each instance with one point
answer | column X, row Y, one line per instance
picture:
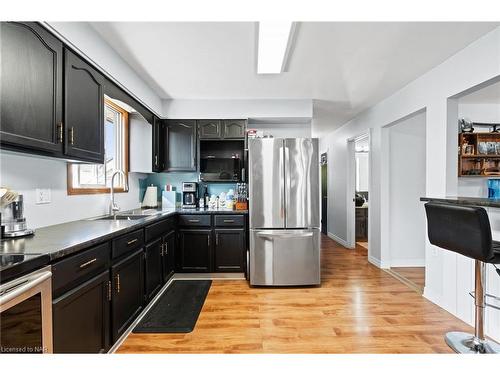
column 494, row 188
column 150, row 197
column 189, row 194
column 13, row 220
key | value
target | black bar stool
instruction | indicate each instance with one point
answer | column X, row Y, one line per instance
column 466, row 230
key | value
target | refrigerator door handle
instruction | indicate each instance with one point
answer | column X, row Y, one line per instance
column 282, row 163
column 272, row 236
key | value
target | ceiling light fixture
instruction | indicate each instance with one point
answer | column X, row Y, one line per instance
column 274, row 45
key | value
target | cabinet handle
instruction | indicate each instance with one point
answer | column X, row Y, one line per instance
column 60, row 132
column 132, row 241
column 72, row 136
column 118, row 283
column 109, row 290
column 208, row 240
column 162, row 251
column 228, row 221
column 217, row 239
column 156, row 160
column 194, row 220
column 166, row 248
column 83, row 265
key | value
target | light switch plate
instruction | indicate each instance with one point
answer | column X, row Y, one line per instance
column 43, row 196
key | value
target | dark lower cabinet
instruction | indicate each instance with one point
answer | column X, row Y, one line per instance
column 168, row 255
column 230, row 250
column 127, row 292
column 194, row 253
column 153, row 268
column 31, row 88
column 81, row 317
column 83, row 110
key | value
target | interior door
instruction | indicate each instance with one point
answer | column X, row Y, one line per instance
column 266, row 183
column 301, row 183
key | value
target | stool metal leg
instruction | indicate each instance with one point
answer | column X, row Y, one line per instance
column 466, row 343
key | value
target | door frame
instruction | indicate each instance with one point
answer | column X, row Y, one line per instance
column 321, row 165
column 351, row 187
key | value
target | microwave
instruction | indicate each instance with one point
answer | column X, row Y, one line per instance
column 220, row 169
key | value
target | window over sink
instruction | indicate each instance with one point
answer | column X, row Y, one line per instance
column 96, row 178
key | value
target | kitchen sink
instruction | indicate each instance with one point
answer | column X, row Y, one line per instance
column 122, row 217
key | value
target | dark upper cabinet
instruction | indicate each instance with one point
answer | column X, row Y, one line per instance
column 168, row 255
column 194, row 250
column 127, row 292
column 234, row 129
column 81, row 317
column 159, row 146
column 83, row 110
column 230, row 250
column 209, row 129
column 181, row 145
column 153, row 274
column 31, row 88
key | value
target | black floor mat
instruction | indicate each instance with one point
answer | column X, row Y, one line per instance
column 177, row 310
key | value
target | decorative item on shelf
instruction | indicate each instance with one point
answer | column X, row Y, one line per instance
column 466, row 126
column 467, row 149
column 495, row 128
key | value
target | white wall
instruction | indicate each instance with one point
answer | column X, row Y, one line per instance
column 238, row 108
column 431, row 92
column 362, row 173
column 406, row 186
column 26, row 173
column 284, row 130
column 477, row 112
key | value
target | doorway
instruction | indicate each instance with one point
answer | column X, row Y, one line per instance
column 361, row 178
column 406, row 184
column 324, row 193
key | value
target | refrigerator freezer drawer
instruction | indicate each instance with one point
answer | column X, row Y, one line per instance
column 285, row 257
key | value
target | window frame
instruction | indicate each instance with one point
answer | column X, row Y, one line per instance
column 104, row 190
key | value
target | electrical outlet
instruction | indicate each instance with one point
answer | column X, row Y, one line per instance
column 43, row 196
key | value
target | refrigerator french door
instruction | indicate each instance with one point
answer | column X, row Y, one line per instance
column 284, row 211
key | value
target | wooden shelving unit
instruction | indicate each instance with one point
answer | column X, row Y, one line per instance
column 478, row 154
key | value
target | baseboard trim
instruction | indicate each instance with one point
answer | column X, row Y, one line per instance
column 339, row 240
column 375, row 261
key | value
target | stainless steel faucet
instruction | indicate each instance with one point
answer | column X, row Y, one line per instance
column 113, row 207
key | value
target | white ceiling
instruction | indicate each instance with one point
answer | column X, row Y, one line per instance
column 344, row 67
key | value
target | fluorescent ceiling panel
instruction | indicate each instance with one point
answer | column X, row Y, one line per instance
column 273, row 41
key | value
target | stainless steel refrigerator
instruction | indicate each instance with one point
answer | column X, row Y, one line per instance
column 284, row 211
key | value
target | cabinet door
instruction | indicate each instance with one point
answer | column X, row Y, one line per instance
column 234, row 129
column 81, row 317
column 84, row 110
column 153, row 268
column 168, row 255
column 181, row 145
column 210, row 129
column 128, row 292
column 230, row 250
column 31, row 88
column 159, row 146
column 194, row 250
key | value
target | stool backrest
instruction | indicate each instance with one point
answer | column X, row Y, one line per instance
column 462, row 229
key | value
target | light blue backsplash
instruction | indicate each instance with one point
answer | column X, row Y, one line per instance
column 176, row 179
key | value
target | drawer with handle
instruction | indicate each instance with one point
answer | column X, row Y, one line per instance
column 195, row 220
column 127, row 243
column 74, row 270
column 229, row 220
column 158, row 229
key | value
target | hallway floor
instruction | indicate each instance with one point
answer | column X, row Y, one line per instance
column 358, row 309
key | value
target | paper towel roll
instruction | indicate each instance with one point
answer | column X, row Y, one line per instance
column 150, row 197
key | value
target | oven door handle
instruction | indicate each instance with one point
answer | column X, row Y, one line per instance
column 10, row 291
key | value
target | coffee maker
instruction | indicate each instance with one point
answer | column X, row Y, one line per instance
column 189, row 194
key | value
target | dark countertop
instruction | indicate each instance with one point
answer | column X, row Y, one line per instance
column 467, row 201
column 60, row 240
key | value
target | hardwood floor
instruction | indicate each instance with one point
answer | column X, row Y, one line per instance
column 358, row 309
column 416, row 275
